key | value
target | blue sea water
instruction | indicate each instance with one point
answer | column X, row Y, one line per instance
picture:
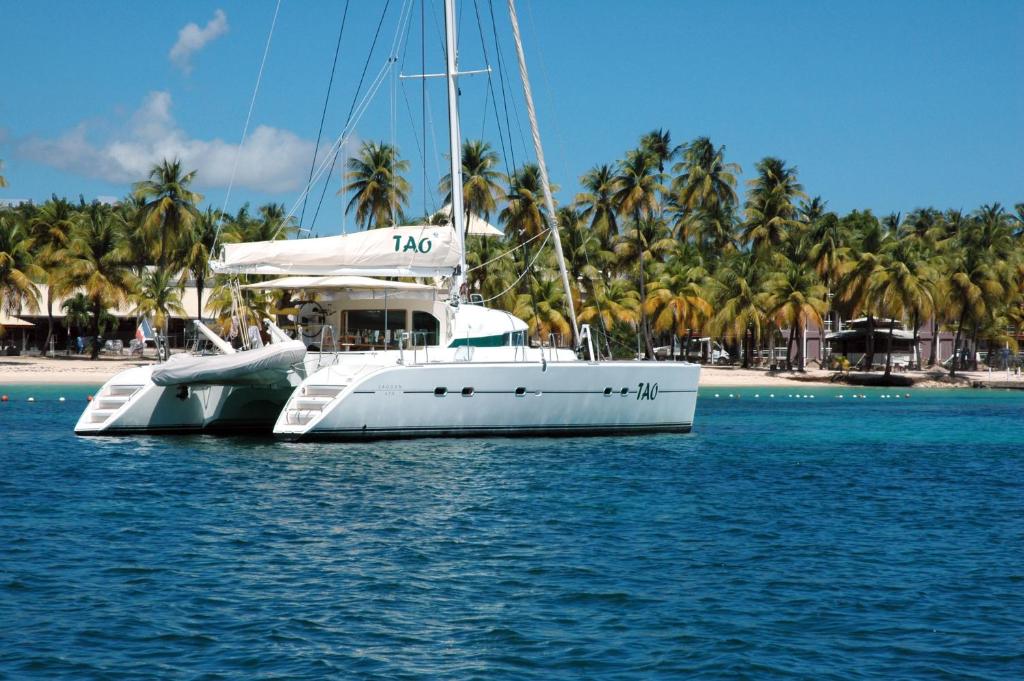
column 786, row 537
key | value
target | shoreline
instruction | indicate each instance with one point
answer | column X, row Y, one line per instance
column 80, row 371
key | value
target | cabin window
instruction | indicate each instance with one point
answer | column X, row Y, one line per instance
column 425, row 328
column 440, row 392
column 520, row 391
column 375, row 327
column 467, row 392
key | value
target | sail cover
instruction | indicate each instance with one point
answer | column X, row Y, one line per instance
column 416, row 251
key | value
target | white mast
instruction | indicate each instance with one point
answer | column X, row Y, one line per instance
column 548, row 200
column 455, row 146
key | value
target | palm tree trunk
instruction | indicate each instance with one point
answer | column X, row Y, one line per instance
column 974, row 348
column 888, row 347
column 49, row 318
column 644, row 324
column 933, row 352
column 800, row 345
column 915, row 351
column 869, row 344
column 199, row 297
column 789, row 348
column 97, row 309
column 956, row 343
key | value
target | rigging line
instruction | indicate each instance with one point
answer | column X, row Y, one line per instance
column 510, row 251
column 504, row 97
column 348, row 118
column 323, row 114
column 415, row 136
column 248, row 118
column 346, row 133
column 515, row 109
column 490, row 84
column 524, row 273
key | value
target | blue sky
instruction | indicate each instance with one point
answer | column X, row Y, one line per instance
column 881, row 105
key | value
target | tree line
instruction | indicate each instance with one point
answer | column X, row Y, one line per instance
column 660, row 245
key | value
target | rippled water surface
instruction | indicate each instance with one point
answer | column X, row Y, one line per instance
column 785, row 538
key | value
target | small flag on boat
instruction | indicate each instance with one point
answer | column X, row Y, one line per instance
column 145, row 331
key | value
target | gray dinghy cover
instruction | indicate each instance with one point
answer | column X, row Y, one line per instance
column 269, row 364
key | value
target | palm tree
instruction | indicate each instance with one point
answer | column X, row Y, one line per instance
column 868, row 241
column 18, row 268
column 637, row 187
column 481, row 181
column 379, row 191
column 76, row 314
column 524, row 215
column 158, row 296
column 97, row 261
column 197, row 252
column 51, row 227
column 3, row 180
column 597, row 202
column 612, row 304
column 771, row 214
column 740, row 302
column 548, row 297
column 657, row 144
column 678, row 299
column 900, row 285
column 705, row 181
column 795, row 297
column 169, row 210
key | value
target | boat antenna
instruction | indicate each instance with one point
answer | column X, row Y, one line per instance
column 455, row 149
column 545, row 185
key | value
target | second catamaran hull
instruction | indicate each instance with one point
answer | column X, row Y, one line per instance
column 494, row 399
column 130, row 403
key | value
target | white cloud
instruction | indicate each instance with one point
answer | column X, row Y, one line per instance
column 191, row 39
column 271, row 160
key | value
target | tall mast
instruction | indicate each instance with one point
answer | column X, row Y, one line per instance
column 455, row 145
column 548, row 200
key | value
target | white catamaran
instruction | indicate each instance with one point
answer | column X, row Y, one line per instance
column 443, row 366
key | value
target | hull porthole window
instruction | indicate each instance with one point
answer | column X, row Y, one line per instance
column 467, row 392
column 607, row 392
column 440, row 392
column 624, row 392
column 520, row 391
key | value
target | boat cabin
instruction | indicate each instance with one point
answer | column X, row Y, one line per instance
column 353, row 313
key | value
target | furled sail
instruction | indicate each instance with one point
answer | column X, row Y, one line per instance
column 411, row 251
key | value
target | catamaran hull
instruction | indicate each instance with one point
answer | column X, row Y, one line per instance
column 493, row 399
column 130, row 403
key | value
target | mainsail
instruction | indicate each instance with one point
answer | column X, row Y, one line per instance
column 411, row 251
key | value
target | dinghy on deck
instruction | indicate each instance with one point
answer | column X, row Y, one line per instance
column 269, row 364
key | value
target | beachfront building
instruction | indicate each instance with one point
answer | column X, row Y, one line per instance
column 852, row 343
column 31, row 336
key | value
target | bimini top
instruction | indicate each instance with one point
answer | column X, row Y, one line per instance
column 416, row 251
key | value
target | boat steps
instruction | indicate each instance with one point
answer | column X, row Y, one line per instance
column 115, row 402
column 311, row 403
column 125, row 389
column 330, row 391
column 101, row 415
column 110, row 401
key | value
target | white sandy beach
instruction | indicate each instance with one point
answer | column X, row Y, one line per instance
column 81, row 371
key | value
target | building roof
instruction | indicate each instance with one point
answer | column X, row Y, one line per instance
column 846, row 334
column 7, row 321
